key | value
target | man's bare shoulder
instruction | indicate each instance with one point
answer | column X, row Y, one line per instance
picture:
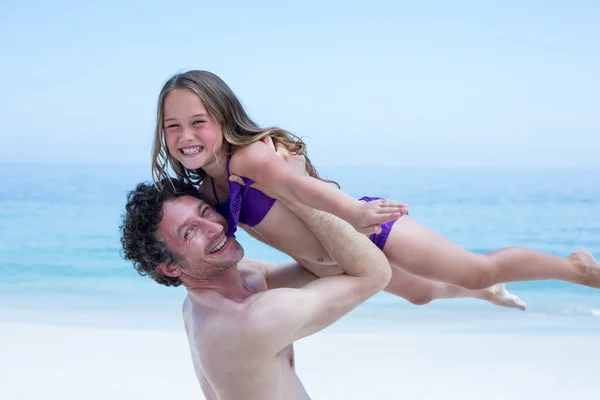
column 253, row 265
column 255, row 272
column 234, row 326
column 202, row 322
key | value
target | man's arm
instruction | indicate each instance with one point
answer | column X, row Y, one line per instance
column 276, row 318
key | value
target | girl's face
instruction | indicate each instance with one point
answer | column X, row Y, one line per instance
column 193, row 136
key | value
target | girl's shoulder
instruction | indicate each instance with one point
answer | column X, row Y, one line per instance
column 249, row 150
column 249, row 156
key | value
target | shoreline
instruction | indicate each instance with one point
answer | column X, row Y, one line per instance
column 68, row 363
column 366, row 319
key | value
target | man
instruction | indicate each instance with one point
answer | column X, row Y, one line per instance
column 242, row 316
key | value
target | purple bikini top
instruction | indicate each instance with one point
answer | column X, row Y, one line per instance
column 245, row 205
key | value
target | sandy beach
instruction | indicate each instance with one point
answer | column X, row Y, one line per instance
column 64, row 362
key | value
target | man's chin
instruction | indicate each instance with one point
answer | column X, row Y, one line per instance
column 238, row 254
column 235, row 253
column 220, row 267
column 235, row 249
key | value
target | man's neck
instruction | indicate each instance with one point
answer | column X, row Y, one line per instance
column 229, row 284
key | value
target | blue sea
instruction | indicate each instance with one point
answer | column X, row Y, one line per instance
column 61, row 263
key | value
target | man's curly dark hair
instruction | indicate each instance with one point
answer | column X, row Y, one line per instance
column 143, row 212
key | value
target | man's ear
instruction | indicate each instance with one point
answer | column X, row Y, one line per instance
column 172, row 270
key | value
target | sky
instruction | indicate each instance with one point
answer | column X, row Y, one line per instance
column 428, row 83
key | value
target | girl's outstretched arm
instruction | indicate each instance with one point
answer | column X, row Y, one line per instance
column 260, row 163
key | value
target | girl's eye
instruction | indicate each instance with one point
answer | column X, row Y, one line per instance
column 197, row 122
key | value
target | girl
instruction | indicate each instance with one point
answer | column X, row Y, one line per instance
column 204, row 134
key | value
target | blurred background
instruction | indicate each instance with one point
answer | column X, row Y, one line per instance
column 484, row 118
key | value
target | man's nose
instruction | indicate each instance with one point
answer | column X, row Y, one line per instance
column 212, row 228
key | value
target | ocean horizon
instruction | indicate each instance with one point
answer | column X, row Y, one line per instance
column 60, row 237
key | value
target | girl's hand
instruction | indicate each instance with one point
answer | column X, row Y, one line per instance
column 369, row 215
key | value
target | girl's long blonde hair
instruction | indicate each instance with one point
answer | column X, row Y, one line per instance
column 237, row 127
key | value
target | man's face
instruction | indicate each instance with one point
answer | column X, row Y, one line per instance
column 196, row 233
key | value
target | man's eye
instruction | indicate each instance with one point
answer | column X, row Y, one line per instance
column 206, row 211
column 187, row 233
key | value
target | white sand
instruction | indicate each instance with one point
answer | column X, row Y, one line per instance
column 68, row 363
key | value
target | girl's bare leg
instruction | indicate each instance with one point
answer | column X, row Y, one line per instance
column 421, row 291
column 424, row 252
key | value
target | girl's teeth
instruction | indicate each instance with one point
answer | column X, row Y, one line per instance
column 191, row 150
